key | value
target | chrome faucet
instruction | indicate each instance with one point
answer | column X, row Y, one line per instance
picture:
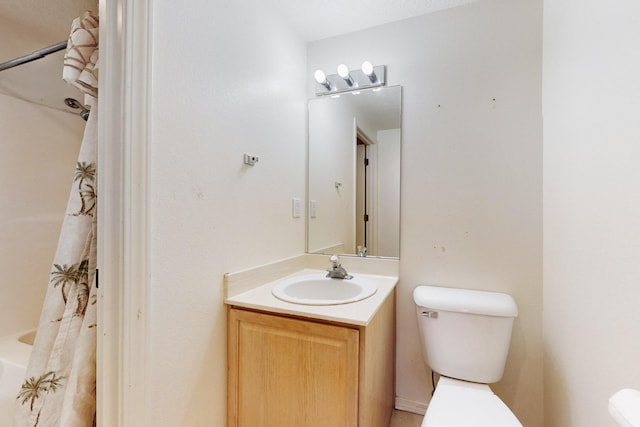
column 336, row 270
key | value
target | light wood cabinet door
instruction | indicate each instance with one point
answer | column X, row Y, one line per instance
column 291, row 373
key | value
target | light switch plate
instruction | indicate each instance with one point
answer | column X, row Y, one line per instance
column 312, row 208
column 296, row 207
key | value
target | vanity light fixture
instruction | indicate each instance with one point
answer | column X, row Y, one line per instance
column 369, row 76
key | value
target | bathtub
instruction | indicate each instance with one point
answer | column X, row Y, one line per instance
column 14, row 357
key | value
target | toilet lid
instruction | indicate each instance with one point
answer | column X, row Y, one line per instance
column 457, row 403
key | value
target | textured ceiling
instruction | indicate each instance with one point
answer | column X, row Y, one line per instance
column 319, row 19
column 29, row 25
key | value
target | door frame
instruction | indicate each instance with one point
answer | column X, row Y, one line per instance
column 123, row 212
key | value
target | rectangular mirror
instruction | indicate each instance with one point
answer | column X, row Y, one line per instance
column 354, row 173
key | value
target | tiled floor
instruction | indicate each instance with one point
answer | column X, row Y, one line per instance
column 405, row 419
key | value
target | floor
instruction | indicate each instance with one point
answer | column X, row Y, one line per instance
column 405, row 419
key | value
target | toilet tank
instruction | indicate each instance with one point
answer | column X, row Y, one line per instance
column 465, row 334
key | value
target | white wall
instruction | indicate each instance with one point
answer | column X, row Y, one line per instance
column 388, row 161
column 471, row 171
column 228, row 79
column 332, row 151
column 38, row 152
column 591, row 207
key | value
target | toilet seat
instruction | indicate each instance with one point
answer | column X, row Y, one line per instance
column 457, row 403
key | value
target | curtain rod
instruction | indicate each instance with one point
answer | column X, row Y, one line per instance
column 41, row 53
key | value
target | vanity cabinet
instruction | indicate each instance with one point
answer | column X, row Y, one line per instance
column 287, row 371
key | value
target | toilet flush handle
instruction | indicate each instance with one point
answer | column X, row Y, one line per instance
column 430, row 314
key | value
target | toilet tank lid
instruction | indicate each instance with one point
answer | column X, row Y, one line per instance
column 465, row 301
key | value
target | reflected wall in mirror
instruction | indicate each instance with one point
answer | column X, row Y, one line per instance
column 354, row 173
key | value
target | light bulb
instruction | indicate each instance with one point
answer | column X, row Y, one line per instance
column 320, row 76
column 367, row 68
column 343, row 71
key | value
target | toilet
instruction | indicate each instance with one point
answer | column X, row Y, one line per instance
column 465, row 336
column 624, row 407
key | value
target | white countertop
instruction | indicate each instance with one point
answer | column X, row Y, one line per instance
column 357, row 313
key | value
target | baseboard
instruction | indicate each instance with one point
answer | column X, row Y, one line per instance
column 411, row 406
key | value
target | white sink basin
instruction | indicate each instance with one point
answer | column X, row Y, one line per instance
column 316, row 289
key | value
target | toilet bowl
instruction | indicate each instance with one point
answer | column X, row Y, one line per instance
column 465, row 336
column 457, row 403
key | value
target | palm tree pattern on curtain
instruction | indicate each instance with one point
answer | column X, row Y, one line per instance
column 75, row 275
column 85, row 177
column 33, row 388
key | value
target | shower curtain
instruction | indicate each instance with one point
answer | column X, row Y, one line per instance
column 60, row 385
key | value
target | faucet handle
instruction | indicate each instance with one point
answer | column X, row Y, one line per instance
column 335, row 261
